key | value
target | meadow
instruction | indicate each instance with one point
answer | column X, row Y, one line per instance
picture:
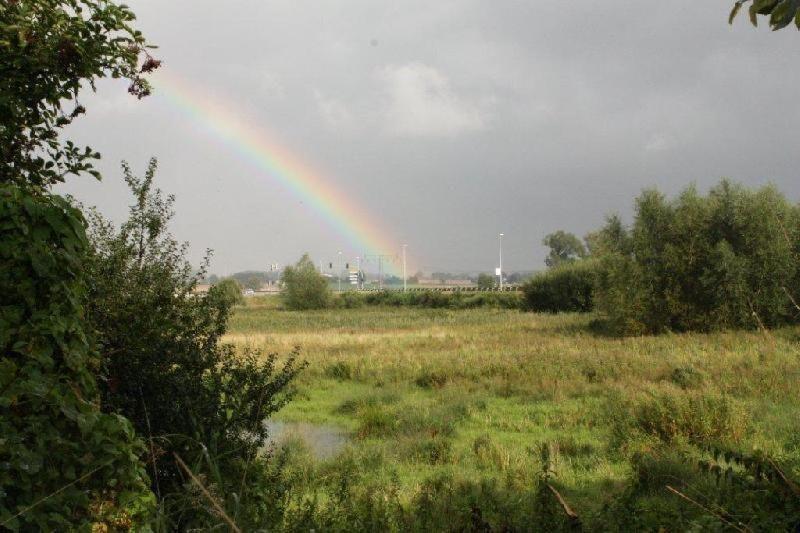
column 508, row 398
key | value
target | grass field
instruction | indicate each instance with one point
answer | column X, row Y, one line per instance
column 480, row 393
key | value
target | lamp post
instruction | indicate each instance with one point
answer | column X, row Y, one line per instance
column 501, row 261
column 339, row 272
column 404, row 267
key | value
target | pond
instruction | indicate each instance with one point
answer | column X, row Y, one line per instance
column 324, row 441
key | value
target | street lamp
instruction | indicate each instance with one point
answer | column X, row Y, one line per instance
column 339, row 273
column 404, row 267
column 501, row 261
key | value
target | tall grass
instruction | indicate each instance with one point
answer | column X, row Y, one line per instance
column 472, row 396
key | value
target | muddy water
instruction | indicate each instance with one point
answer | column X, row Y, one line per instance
column 323, row 440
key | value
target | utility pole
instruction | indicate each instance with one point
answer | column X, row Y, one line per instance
column 380, row 258
column 339, row 273
column 501, row 261
column 358, row 269
column 404, row 267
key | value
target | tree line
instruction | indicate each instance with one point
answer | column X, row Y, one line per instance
column 726, row 259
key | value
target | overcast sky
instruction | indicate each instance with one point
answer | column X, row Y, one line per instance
column 448, row 121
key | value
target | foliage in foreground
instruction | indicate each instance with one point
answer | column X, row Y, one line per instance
column 164, row 367
column 781, row 13
column 49, row 50
column 63, row 464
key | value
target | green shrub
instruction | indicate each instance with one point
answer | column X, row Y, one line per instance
column 164, row 366
column 725, row 260
column 339, row 370
column 686, row 377
column 432, row 379
column 304, row 287
column 698, row 418
column 565, row 288
column 57, row 450
column 349, row 300
column 375, row 421
column 229, row 290
column 431, row 299
column 486, row 281
column 434, row 450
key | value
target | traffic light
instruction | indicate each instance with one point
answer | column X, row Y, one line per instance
column 347, row 266
column 330, row 266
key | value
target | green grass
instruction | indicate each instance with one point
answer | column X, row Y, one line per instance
column 479, row 393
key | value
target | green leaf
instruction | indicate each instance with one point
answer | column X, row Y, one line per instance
column 782, row 14
column 736, row 7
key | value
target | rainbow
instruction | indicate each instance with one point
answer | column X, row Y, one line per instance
column 318, row 193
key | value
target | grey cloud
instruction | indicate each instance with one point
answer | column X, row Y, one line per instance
column 423, row 104
column 450, row 121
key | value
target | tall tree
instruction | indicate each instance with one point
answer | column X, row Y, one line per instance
column 304, row 287
column 65, row 465
column 564, row 247
column 49, row 50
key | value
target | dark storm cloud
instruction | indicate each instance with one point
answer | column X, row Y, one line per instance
column 451, row 121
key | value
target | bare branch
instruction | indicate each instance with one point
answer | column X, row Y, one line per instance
column 217, row 507
column 742, row 528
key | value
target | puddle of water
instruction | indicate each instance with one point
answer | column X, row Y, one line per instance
column 323, row 440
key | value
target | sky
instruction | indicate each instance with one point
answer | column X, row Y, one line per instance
column 441, row 124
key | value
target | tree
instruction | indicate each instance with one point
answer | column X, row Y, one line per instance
column 564, row 247
column 781, row 12
column 486, row 281
column 724, row 260
column 49, row 50
column 253, row 283
column 66, row 465
column 165, row 367
column 230, row 291
column 57, row 450
column 304, row 287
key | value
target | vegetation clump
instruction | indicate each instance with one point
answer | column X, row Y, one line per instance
column 165, row 367
column 62, row 459
column 64, row 465
column 304, row 287
column 568, row 287
column 699, row 263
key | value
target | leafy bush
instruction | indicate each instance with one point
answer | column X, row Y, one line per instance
column 349, row 300
column 63, row 464
column 164, row 366
column 304, row 287
column 431, row 379
column 485, row 281
column 50, row 49
column 686, row 377
column 565, row 288
column 340, row 370
column 725, row 260
column 700, row 418
column 229, row 290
